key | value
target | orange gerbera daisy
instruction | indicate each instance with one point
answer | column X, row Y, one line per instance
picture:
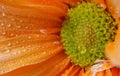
column 36, row 34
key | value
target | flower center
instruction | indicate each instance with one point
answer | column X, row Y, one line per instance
column 85, row 32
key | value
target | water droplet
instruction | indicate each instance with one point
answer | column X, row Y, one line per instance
column 29, row 37
column 9, row 25
column 18, row 26
column 22, row 47
column 5, row 50
column 9, row 44
column 102, row 5
column 24, row 50
column 2, row 7
column 52, row 52
column 14, row 53
column 11, row 34
column 3, row 33
column 44, row 53
column 20, row 61
column 12, row 19
column 37, row 35
column 18, row 52
column 22, row 40
column 29, row 46
column 17, row 42
column 42, row 31
column 21, row 20
column 26, row 27
column 56, row 42
column 3, row 14
column 16, row 35
column 2, row 24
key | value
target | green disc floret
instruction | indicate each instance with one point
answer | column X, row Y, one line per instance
column 85, row 32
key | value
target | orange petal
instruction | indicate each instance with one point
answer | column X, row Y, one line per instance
column 88, row 73
column 40, row 2
column 72, row 71
column 100, row 73
column 26, row 50
column 10, row 32
column 27, row 40
column 82, row 71
column 34, row 13
column 12, row 25
column 55, row 3
column 108, row 72
column 67, row 71
column 37, row 7
column 114, row 7
column 112, row 52
column 75, row 71
column 115, row 71
column 70, row 2
column 51, row 67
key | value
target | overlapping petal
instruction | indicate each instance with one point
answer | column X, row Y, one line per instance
column 30, row 43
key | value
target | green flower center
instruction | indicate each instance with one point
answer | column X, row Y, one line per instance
column 85, row 32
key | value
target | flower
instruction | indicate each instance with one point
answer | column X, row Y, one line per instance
column 31, row 43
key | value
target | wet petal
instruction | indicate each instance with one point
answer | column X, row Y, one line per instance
column 21, row 22
column 112, row 50
column 82, row 71
column 52, row 10
column 100, row 73
column 51, row 67
column 26, row 50
column 108, row 72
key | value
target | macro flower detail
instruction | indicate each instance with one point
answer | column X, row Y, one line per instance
column 85, row 32
column 59, row 38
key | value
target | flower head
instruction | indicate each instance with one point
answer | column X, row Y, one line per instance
column 85, row 32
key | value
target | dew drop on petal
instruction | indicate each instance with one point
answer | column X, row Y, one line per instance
column 42, row 31
column 29, row 37
column 1, row 24
column 9, row 44
column 37, row 35
column 26, row 27
column 5, row 50
column 23, row 47
column 24, row 50
column 3, row 14
column 17, row 42
column 29, row 46
column 12, row 19
column 56, row 42
column 44, row 53
column 2, row 7
column 11, row 34
column 8, row 25
column 3, row 33
column 21, row 21
column 18, row 26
